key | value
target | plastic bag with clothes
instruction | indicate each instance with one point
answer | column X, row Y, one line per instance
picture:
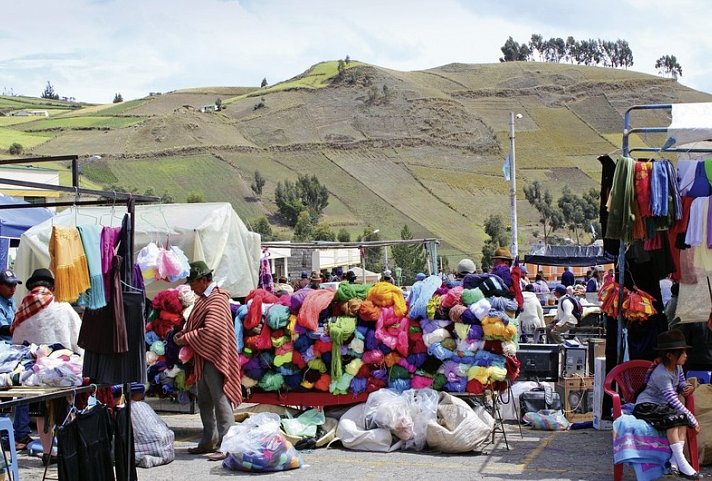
column 257, row 445
column 406, row 415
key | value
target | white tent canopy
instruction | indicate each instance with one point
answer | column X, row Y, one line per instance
column 211, row 232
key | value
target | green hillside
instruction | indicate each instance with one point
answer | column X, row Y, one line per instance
column 420, row 148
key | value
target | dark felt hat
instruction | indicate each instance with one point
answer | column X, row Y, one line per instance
column 671, row 341
column 314, row 276
column 40, row 275
column 198, row 269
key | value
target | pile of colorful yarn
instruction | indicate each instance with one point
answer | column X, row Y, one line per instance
column 170, row 372
column 360, row 338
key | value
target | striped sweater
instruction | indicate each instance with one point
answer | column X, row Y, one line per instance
column 209, row 332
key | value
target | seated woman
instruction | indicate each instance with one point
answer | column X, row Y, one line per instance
column 659, row 405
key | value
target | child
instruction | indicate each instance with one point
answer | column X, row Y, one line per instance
column 659, row 405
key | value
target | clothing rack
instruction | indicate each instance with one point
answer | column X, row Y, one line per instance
column 125, row 198
column 626, row 150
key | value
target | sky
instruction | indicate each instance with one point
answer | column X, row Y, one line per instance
column 92, row 49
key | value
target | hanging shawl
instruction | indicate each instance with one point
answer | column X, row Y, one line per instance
column 266, row 282
column 620, row 210
column 91, row 238
column 68, row 263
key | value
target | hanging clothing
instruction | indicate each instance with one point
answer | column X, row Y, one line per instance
column 91, row 241
column 620, row 211
column 642, row 188
column 84, row 447
column 266, row 281
column 700, row 185
column 109, row 239
column 68, row 262
column 696, row 225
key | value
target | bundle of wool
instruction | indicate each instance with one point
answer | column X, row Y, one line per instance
column 474, row 387
column 261, row 341
column 417, row 359
column 358, row 385
column 375, row 383
column 368, row 311
column 509, row 348
column 432, row 307
column 449, row 343
column 340, row 329
column 297, row 299
column 480, row 308
column 399, row 385
column 347, row 291
column 353, row 366
column 385, row 294
column 316, row 301
column 440, row 352
column 421, row 382
column 168, row 300
column 512, row 364
column 495, row 330
column 470, row 296
column 475, row 333
column 392, row 329
column 341, row 385
column 500, row 303
column 271, row 381
column 254, row 300
column 392, row 358
column 419, row 296
column 457, row 385
column 277, row 316
column 456, row 312
column 436, row 336
column 488, row 359
column 351, row 307
column 451, row 297
column 373, row 356
column 323, row 383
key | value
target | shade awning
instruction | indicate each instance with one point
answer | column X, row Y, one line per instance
column 568, row 255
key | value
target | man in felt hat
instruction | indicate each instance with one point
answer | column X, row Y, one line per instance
column 40, row 319
column 8, row 284
column 314, row 280
column 302, row 282
column 566, row 316
column 351, row 276
column 501, row 265
column 209, row 332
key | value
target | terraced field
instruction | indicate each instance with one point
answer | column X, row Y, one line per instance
column 393, row 148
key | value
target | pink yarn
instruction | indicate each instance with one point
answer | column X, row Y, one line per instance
column 456, row 312
column 452, row 297
column 315, row 302
column 254, row 312
column 185, row 354
column 373, row 357
column 392, row 331
column 421, row 382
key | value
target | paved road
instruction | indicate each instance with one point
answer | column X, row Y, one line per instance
column 582, row 455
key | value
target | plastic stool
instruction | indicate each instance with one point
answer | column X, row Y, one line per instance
column 6, row 426
column 702, row 376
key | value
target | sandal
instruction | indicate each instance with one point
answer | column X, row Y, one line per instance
column 21, row 444
column 217, row 456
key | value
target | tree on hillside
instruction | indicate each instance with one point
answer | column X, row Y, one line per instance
column 262, row 226
column 258, row 184
column 536, row 44
column 195, row 197
column 118, row 98
column 347, row 60
column 323, row 232
column 49, row 92
column 494, row 227
column 264, row 83
column 303, row 227
column 512, row 51
column 668, row 65
column 341, row 67
column 15, row 148
column 409, row 257
column 306, row 194
column 580, row 213
column 343, row 235
column 549, row 216
column 167, row 198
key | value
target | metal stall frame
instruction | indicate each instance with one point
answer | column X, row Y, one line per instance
column 626, row 150
column 122, row 197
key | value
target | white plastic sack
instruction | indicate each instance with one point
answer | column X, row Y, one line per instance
column 353, row 433
column 693, row 302
column 459, row 428
column 153, row 440
column 389, row 410
column 509, row 403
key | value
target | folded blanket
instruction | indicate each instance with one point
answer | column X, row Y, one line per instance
column 638, row 444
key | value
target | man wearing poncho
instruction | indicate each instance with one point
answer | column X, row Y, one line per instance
column 209, row 333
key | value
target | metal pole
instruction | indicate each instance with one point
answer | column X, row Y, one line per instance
column 513, row 186
column 385, row 255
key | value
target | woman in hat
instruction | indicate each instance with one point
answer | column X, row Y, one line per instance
column 501, row 265
column 659, row 404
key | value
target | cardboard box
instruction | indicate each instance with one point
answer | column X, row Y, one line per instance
column 598, row 393
column 576, row 398
column 596, row 348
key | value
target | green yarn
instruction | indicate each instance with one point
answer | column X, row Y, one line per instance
column 348, row 291
column 470, row 296
column 399, row 372
column 271, row 381
column 340, row 329
column 341, row 386
column 439, row 381
column 278, row 316
column 317, row 365
column 449, row 344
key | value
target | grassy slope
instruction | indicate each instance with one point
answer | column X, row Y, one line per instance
column 429, row 155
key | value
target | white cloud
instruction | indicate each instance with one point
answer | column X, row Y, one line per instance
column 92, row 49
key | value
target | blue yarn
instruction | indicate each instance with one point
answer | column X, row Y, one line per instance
column 503, row 304
column 458, row 385
column 358, row 385
column 302, row 343
column 293, row 381
column 326, row 357
column 151, row 337
column 420, row 294
column 383, row 348
column 486, row 359
column 437, row 350
column 361, row 331
column 417, row 360
column 399, row 385
column 239, row 332
column 242, row 312
column 371, row 342
column 289, row 370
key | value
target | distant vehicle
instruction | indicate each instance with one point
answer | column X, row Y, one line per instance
column 329, row 285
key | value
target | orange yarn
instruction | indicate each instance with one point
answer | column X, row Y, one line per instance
column 385, row 294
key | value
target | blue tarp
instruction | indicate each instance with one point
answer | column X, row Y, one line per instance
column 13, row 222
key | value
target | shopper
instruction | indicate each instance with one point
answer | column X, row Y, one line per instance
column 40, row 319
column 567, row 278
column 209, row 333
column 659, row 405
column 594, row 281
column 502, row 265
column 314, row 280
column 567, row 314
column 8, row 306
column 532, row 315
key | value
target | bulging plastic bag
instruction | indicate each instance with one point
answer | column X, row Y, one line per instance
column 305, row 424
column 257, row 445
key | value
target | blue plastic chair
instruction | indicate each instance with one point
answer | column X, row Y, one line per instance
column 6, row 426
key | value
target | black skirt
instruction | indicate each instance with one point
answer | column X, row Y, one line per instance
column 660, row 416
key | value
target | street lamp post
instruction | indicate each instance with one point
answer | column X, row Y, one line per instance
column 363, row 257
column 513, row 186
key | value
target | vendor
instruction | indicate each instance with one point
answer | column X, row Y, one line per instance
column 8, row 284
column 501, row 265
column 209, row 333
column 41, row 319
column 314, row 280
column 351, row 277
column 565, row 317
